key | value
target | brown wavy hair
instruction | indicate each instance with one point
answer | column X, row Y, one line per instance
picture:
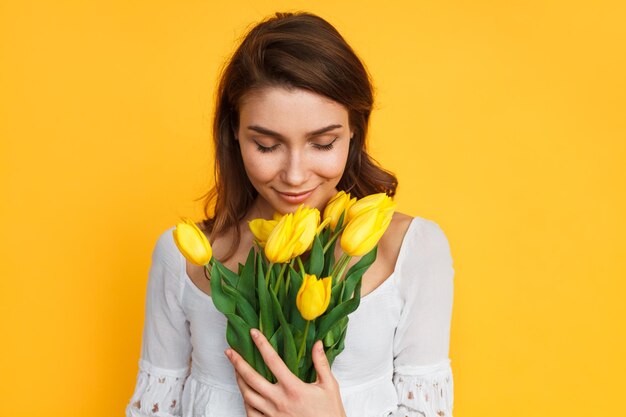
column 294, row 51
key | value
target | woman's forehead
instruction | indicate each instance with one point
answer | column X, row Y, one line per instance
column 290, row 109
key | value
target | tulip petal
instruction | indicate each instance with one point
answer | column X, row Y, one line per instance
column 192, row 242
column 358, row 230
column 261, row 229
column 313, row 297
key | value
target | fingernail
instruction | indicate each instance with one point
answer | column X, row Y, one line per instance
column 228, row 353
column 320, row 347
column 254, row 333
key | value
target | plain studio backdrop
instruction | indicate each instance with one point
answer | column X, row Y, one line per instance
column 505, row 122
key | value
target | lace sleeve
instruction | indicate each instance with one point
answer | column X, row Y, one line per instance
column 422, row 372
column 157, row 392
column 425, row 392
column 166, row 344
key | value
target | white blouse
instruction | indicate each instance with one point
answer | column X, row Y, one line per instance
column 395, row 362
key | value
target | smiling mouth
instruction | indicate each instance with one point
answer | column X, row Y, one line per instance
column 295, row 198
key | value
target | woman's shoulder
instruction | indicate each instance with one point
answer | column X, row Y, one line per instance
column 165, row 250
column 407, row 231
column 391, row 242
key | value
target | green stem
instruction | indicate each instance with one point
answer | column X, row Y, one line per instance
column 279, row 279
column 339, row 268
column 343, row 286
column 330, row 242
column 301, row 267
column 303, row 344
column 343, row 267
column 208, row 267
column 334, row 237
column 289, row 276
column 267, row 275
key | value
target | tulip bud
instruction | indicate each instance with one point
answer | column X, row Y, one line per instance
column 366, row 203
column 306, row 220
column 365, row 229
column 280, row 244
column 261, row 229
column 314, row 296
column 292, row 235
column 338, row 205
column 192, row 242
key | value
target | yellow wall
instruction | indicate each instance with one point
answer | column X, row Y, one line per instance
column 505, row 122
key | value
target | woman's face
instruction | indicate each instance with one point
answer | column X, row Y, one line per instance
column 294, row 145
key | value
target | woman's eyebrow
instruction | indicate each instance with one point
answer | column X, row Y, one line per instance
column 277, row 135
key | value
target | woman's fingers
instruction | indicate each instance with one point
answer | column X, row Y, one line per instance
column 322, row 367
column 252, row 378
column 251, row 412
column 253, row 402
column 272, row 359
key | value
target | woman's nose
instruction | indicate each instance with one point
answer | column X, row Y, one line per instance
column 295, row 169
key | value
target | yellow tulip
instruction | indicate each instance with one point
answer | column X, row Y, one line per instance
column 338, row 205
column 192, row 242
column 306, row 221
column 366, row 203
column 314, row 296
column 261, row 229
column 365, row 229
column 292, row 235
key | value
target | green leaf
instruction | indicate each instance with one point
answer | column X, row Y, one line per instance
column 266, row 317
column 342, row 310
column 247, row 313
column 335, row 292
column 294, row 315
column 246, row 283
column 316, row 260
column 229, row 276
column 340, row 221
column 282, row 292
column 222, row 301
column 289, row 347
column 329, row 260
column 329, row 339
column 274, row 275
column 325, row 235
column 276, row 338
column 355, row 273
column 238, row 337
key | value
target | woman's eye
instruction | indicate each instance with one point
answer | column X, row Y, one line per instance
column 265, row 149
column 326, row 147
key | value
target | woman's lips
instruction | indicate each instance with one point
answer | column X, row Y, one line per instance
column 295, row 198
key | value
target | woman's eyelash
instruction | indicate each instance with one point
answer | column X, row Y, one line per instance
column 266, row 149
column 327, row 147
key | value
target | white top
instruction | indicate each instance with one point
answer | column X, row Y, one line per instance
column 395, row 362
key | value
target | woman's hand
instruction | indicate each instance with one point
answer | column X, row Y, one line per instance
column 290, row 396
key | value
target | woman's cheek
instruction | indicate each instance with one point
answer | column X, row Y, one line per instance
column 332, row 165
column 262, row 167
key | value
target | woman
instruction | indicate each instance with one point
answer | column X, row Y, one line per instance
column 291, row 120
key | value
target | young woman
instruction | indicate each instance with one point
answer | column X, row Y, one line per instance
column 290, row 127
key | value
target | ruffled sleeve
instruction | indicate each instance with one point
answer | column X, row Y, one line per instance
column 422, row 372
column 166, row 344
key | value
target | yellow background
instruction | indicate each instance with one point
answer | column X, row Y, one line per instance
column 505, row 122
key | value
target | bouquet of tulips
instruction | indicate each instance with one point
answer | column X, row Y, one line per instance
column 291, row 287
